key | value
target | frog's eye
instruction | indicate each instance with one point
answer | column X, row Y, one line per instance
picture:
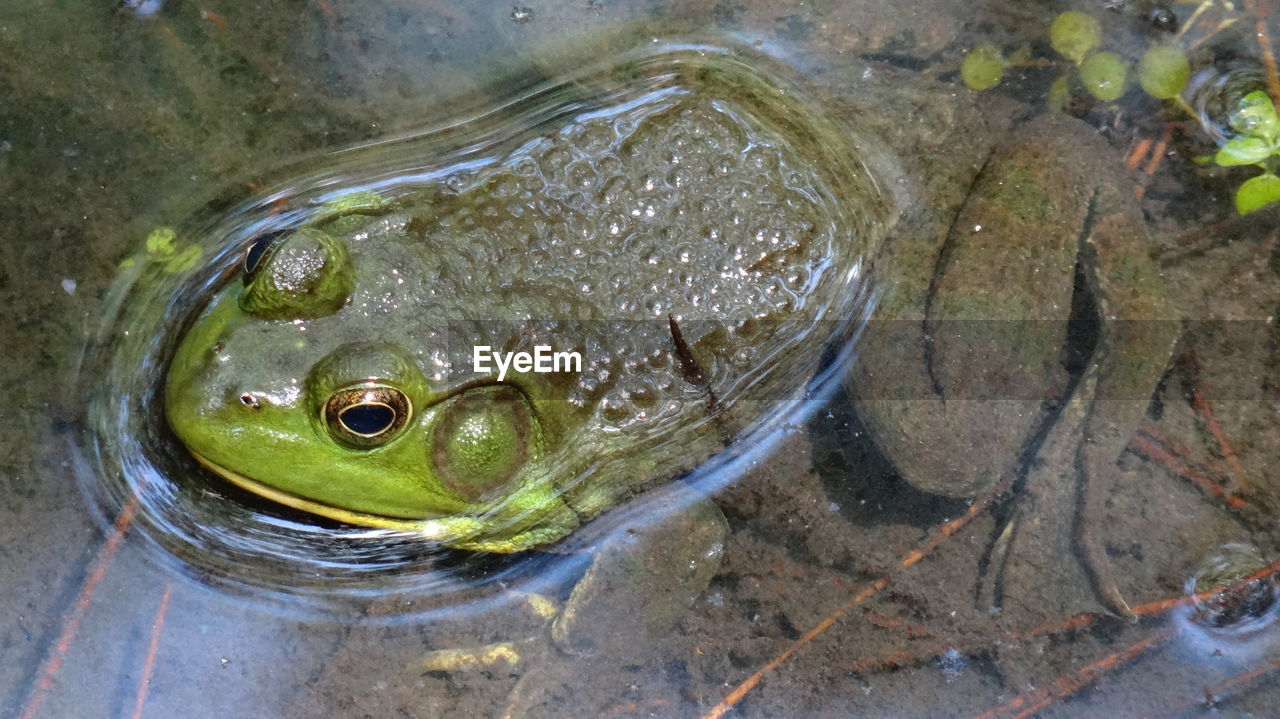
column 481, row 441
column 367, row 415
column 301, row 274
column 260, row 252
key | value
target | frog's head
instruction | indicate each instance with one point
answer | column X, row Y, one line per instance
column 290, row 386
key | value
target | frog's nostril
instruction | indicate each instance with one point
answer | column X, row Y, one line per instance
column 250, row 401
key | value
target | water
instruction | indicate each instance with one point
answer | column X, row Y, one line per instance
column 215, row 120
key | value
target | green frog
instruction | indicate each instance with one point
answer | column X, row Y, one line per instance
column 491, row 359
column 340, row 374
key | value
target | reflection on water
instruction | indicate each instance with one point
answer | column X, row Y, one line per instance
column 842, row 588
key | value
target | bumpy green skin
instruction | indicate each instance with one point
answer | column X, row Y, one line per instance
column 586, row 242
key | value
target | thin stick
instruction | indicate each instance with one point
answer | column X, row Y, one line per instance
column 1138, row 153
column 149, row 664
column 908, row 560
column 1211, row 694
column 1027, row 705
column 1078, row 621
column 1202, row 406
column 1264, row 45
column 74, row 615
column 1147, row 444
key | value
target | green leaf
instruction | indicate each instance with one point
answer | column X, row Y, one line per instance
column 1243, row 150
column 982, row 67
column 1103, row 75
column 1257, row 192
column 1163, row 71
column 161, row 244
column 1074, row 35
column 1255, row 115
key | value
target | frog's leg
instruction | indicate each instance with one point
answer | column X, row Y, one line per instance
column 650, row 558
column 654, row 557
column 1138, row 331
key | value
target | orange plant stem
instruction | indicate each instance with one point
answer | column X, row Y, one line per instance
column 153, row 646
column 1077, row 621
column 1264, row 45
column 908, row 560
column 1205, row 410
column 74, row 615
column 1217, row 690
column 1138, row 153
column 1027, row 705
column 1149, row 446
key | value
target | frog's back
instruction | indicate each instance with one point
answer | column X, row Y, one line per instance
column 594, row 236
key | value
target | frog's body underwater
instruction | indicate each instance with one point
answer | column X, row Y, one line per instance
column 338, row 379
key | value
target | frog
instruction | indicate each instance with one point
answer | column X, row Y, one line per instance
column 962, row 381
column 330, row 346
column 684, row 250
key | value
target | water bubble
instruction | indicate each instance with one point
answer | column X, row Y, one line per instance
column 521, row 13
column 1163, row 19
column 142, row 8
column 1217, row 92
column 582, row 176
column 456, row 182
column 1232, row 588
column 951, row 664
column 762, row 159
column 615, row 406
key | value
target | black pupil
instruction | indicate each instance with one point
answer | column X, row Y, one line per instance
column 367, row 419
column 258, row 249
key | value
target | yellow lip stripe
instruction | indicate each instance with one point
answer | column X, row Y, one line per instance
column 307, row 505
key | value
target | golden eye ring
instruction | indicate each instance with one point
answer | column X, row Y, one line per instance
column 366, row 415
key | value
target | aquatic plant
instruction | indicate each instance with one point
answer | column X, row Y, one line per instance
column 1163, row 72
column 1258, row 143
column 162, row 247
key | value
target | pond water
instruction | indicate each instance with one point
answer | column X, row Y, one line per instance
column 949, row 308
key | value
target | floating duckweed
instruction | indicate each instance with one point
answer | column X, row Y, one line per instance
column 1103, row 75
column 1257, row 192
column 1074, row 35
column 1163, row 71
column 161, row 244
column 982, row 67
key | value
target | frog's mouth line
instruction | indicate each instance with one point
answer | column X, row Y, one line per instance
column 307, row 505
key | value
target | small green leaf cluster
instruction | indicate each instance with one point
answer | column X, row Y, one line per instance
column 162, row 247
column 1162, row 70
column 1257, row 143
column 1076, row 36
